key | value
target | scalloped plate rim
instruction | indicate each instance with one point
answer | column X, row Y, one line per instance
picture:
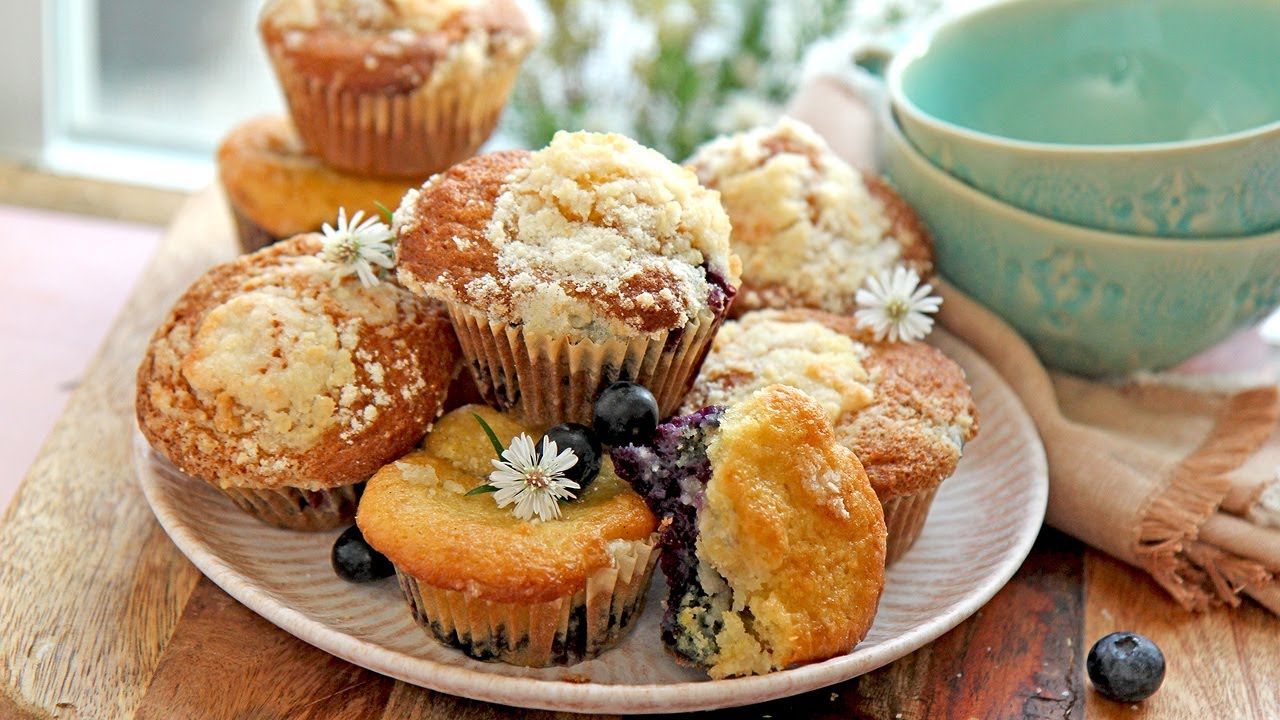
column 591, row 697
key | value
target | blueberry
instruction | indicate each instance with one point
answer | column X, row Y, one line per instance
column 625, row 414
column 584, row 443
column 1125, row 667
column 355, row 561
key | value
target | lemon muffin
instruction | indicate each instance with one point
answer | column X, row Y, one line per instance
column 904, row 409
column 480, row 579
column 591, row 261
column 277, row 190
column 286, row 387
column 775, row 552
column 809, row 228
column 399, row 88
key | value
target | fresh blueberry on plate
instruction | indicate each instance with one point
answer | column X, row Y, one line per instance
column 354, row 560
column 625, row 414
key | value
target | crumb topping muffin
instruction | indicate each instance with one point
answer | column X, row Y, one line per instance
column 400, row 43
column 278, row 190
column 809, row 228
column 775, row 554
column 395, row 88
column 479, row 578
column 269, row 372
column 594, row 236
column 904, row 408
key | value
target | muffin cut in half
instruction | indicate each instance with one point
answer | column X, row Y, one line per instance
column 775, row 552
column 286, row 387
column 277, row 190
column 905, row 409
column 809, row 228
column 591, row 261
column 395, row 88
column 478, row 578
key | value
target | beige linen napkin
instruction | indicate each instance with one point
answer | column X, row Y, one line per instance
column 1180, row 483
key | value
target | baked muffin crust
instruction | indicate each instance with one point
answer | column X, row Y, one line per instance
column 272, row 181
column 415, row 512
column 594, row 236
column 809, row 228
column 269, row 372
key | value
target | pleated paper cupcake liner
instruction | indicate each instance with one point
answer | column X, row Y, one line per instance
column 554, row 380
column 904, row 519
column 562, row 631
column 398, row 134
column 295, row 509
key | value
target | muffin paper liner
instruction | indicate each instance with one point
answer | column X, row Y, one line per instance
column 903, row 520
column 562, row 631
column 388, row 133
column 553, row 380
column 296, row 509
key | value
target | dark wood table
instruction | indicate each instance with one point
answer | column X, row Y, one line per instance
column 102, row 617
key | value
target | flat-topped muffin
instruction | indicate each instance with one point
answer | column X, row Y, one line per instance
column 776, row 550
column 528, row 592
column 905, row 409
column 395, row 87
column 809, row 228
column 590, row 261
column 286, row 387
column 277, row 190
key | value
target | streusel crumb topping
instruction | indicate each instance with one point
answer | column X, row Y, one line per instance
column 763, row 349
column 803, row 219
column 370, row 15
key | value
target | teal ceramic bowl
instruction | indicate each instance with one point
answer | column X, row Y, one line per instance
column 1090, row 302
column 1148, row 117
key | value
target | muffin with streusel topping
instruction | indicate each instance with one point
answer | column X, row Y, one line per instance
column 567, row 269
column 395, row 88
column 905, row 409
column 775, row 550
column 532, row 592
column 285, row 384
column 809, row 228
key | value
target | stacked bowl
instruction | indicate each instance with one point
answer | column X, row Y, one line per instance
column 1105, row 174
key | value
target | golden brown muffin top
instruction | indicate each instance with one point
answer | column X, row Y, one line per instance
column 809, row 228
column 271, row 180
column 790, row 522
column 594, row 236
column 416, row 512
column 270, row 372
column 904, row 408
column 394, row 43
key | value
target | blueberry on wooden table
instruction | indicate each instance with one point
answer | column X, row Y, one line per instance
column 625, row 414
column 585, row 445
column 1125, row 667
column 354, row 560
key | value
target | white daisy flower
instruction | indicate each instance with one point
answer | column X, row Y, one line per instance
column 895, row 305
column 357, row 246
column 534, row 481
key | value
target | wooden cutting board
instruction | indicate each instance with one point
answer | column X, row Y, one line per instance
column 102, row 617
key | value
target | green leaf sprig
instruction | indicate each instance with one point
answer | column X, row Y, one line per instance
column 493, row 440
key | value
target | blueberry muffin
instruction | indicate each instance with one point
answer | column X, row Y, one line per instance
column 775, row 551
column 400, row 88
column 286, row 387
column 478, row 578
column 809, row 228
column 277, row 190
column 904, row 409
column 567, row 269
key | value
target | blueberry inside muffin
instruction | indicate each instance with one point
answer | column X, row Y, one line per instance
column 775, row 550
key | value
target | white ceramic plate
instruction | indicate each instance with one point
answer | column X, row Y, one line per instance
column 979, row 531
